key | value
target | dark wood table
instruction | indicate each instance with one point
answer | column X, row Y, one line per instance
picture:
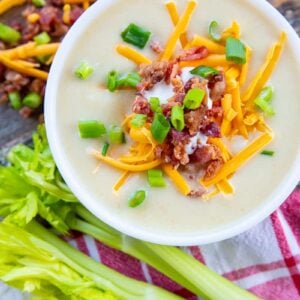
column 14, row 129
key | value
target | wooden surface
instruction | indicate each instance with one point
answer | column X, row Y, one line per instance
column 14, row 129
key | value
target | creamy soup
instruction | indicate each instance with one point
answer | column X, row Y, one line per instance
column 167, row 211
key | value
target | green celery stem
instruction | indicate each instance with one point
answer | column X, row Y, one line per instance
column 103, row 276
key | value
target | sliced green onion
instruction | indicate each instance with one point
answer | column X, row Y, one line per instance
column 105, row 148
column 39, row 3
column 15, row 100
column 177, row 117
column 194, row 98
column 155, row 104
column 43, row 58
column 89, row 129
column 235, row 51
column 204, row 71
column 268, row 153
column 137, row 199
column 136, row 35
column 42, row 38
column 83, row 71
column 155, row 178
column 112, row 79
column 32, row 100
column 116, row 135
column 213, row 31
column 129, row 80
column 138, row 120
column 9, row 34
column 160, row 127
column 263, row 101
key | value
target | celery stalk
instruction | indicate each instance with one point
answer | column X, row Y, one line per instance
column 105, row 277
column 171, row 261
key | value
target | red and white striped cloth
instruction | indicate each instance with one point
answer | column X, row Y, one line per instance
column 265, row 260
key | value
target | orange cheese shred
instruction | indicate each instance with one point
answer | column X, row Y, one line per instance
column 245, row 67
column 240, row 159
column 225, row 187
column 6, row 5
column 238, row 122
column 124, row 166
column 121, row 181
column 213, row 60
column 86, row 4
column 234, row 31
column 177, row 179
column 132, row 55
column 266, row 70
column 33, row 18
column 173, row 12
column 23, row 69
column 180, row 28
column 212, row 47
column 67, row 14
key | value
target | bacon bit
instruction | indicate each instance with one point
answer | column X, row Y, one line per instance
column 152, row 74
column 194, row 119
column 217, row 86
column 197, row 193
column 156, row 47
column 141, row 105
column 211, row 129
column 26, row 112
column 178, row 86
column 195, row 82
column 193, row 54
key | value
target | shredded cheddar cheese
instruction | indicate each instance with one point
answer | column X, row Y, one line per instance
column 33, row 18
column 245, row 67
column 180, row 28
column 121, row 181
column 86, row 4
column 213, row 60
column 241, row 158
column 23, row 69
column 172, row 9
column 234, row 31
column 132, row 55
column 266, row 70
column 177, row 179
column 6, row 5
column 66, row 14
column 212, row 47
column 225, row 187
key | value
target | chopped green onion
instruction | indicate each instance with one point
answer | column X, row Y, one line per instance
column 112, row 79
column 39, row 3
column 177, row 117
column 15, row 100
column 129, row 80
column 136, row 35
column 160, row 127
column 9, row 34
column 155, row 104
column 42, row 38
column 213, row 31
column 105, row 148
column 137, row 199
column 204, row 71
column 83, row 71
column 43, row 58
column 116, row 135
column 155, row 178
column 32, row 100
column 268, row 153
column 263, row 101
column 138, row 121
column 194, row 98
column 235, row 51
column 89, row 129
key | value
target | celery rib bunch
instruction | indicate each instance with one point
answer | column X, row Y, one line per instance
column 32, row 187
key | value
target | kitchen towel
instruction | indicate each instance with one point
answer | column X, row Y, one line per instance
column 264, row 260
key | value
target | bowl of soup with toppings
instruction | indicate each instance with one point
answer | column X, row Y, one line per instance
column 175, row 122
